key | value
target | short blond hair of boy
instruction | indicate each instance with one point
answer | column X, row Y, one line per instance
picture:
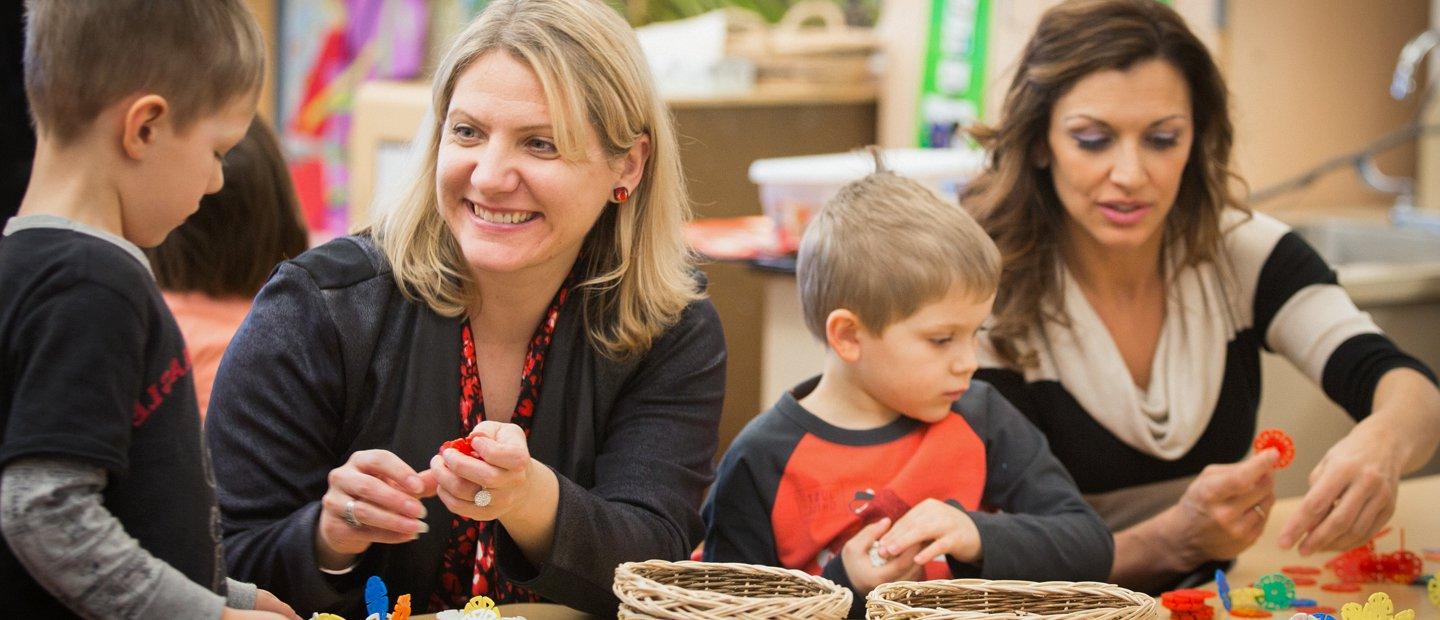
column 82, row 56
column 886, row 245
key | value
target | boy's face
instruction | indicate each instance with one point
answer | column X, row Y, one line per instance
column 920, row 365
column 178, row 168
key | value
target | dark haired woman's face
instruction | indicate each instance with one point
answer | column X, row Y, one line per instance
column 1118, row 144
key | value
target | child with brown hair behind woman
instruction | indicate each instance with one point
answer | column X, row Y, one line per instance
column 208, row 273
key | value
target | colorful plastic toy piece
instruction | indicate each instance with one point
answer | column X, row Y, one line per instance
column 1280, row 441
column 480, row 602
column 377, row 599
column 1297, row 570
column 1278, row 590
column 1303, row 581
column 461, row 445
column 1249, row 612
column 1325, row 616
column 1187, row 602
column 1343, row 586
column 1434, row 591
column 1246, row 597
column 1223, row 586
column 1302, row 602
column 1377, row 607
column 402, row 608
column 1355, row 565
column 319, row 616
column 1401, row 566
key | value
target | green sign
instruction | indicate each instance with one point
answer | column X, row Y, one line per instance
column 953, row 83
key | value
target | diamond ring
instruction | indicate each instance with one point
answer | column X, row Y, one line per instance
column 349, row 515
column 482, row 498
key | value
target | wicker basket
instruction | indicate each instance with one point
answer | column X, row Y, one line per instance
column 811, row 45
column 707, row 590
column 971, row 599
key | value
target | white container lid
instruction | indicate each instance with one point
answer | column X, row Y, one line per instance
column 837, row 169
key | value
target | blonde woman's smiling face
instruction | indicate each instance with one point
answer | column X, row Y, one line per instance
column 506, row 194
column 1117, row 147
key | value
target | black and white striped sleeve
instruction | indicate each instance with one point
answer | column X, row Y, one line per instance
column 1303, row 314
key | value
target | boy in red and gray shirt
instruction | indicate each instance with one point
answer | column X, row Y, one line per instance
column 894, row 464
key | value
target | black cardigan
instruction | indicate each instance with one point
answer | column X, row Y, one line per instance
column 332, row 359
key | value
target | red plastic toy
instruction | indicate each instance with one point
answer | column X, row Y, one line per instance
column 1188, row 604
column 1281, row 442
column 462, row 444
column 1363, row 565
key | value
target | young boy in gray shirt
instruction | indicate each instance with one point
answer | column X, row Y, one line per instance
column 107, row 502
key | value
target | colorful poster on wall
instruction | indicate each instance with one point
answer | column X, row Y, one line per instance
column 953, row 82
column 330, row 47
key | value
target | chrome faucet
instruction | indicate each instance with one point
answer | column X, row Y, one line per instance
column 1402, row 84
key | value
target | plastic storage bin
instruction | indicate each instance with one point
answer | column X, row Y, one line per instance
column 793, row 189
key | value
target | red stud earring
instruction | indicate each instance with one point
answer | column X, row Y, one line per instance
column 620, row 194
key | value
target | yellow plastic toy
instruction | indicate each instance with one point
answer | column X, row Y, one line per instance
column 326, row 617
column 1434, row 588
column 1377, row 607
column 480, row 602
column 1246, row 597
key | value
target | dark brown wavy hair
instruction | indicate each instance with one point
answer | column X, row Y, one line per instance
column 1015, row 199
column 231, row 244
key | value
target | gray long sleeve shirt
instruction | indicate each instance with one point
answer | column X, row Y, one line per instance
column 52, row 517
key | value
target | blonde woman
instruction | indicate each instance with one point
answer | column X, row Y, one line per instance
column 531, row 293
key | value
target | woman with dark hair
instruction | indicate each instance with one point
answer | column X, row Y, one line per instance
column 208, row 273
column 1137, row 292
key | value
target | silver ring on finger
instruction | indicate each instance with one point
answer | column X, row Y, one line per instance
column 482, row 497
column 1260, row 511
column 349, row 514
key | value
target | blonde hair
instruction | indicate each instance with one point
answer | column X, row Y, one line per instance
column 200, row 55
column 635, row 271
column 886, row 245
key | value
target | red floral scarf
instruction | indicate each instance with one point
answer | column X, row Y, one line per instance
column 468, row 565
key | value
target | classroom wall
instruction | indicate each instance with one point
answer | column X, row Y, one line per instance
column 1310, row 80
column 265, row 14
column 1428, row 165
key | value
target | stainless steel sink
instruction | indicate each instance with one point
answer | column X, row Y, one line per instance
column 1348, row 242
column 1378, row 264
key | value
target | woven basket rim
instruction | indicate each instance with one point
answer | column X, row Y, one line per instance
column 827, row 587
column 1123, row 597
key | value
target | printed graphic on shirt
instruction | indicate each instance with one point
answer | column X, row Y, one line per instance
column 830, row 491
column 155, row 394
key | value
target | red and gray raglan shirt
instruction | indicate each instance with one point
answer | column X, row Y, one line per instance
column 792, row 489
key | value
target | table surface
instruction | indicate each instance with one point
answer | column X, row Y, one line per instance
column 1417, row 511
column 532, row 611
